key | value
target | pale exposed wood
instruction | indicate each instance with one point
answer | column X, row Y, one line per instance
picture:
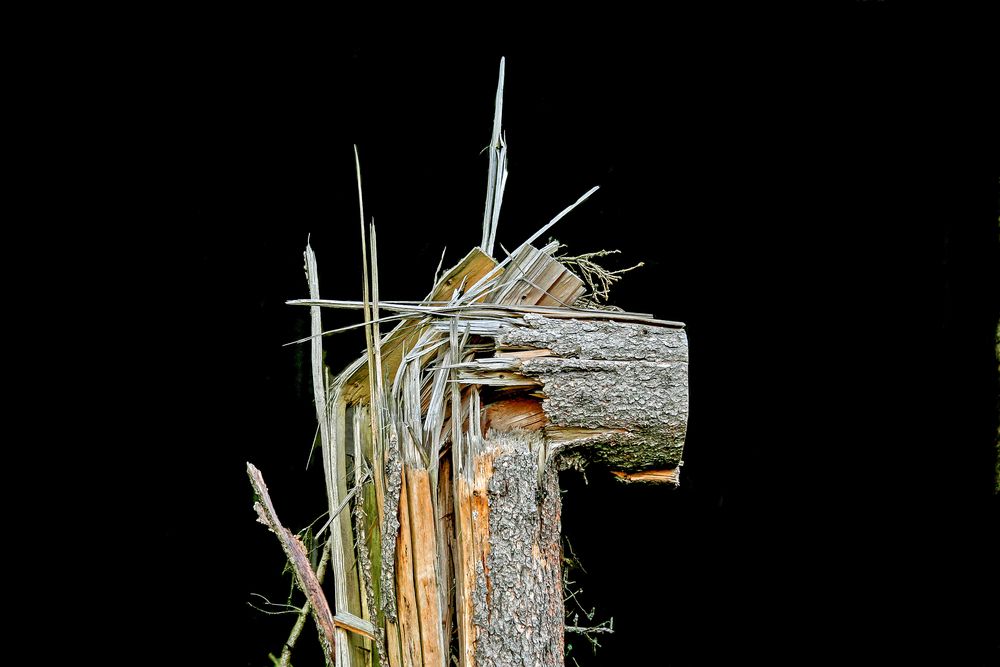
column 406, row 596
column 562, row 214
column 331, row 464
column 470, row 269
column 523, row 354
column 482, row 586
column 354, row 624
column 465, row 571
column 445, row 509
column 671, row 476
column 423, row 525
column 461, row 447
column 305, row 578
column 496, row 379
column 534, row 278
column 338, row 417
column 497, row 177
column 514, row 413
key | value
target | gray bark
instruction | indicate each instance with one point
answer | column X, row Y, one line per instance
column 615, row 392
column 519, row 597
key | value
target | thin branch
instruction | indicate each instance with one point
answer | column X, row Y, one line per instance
column 289, row 608
column 293, row 636
column 295, row 552
column 599, row 279
column 596, row 630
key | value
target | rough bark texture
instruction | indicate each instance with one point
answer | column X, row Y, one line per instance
column 617, row 390
column 518, row 598
column 597, row 339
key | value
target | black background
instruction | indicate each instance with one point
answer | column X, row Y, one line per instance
column 819, row 206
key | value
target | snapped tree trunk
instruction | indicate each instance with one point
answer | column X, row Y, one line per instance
column 479, row 402
column 443, row 443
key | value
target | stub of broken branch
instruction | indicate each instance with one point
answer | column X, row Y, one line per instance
column 671, row 476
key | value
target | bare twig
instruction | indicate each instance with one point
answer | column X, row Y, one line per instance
column 287, row 608
column 299, row 560
column 599, row 279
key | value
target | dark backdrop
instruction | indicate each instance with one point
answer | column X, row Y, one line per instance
column 820, row 209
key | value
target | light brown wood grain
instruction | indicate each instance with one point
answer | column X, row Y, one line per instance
column 423, row 540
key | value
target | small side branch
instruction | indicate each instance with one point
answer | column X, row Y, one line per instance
column 294, row 550
column 596, row 630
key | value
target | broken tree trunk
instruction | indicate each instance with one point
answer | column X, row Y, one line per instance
column 482, row 403
column 446, row 439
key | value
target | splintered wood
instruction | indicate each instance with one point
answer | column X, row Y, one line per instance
column 443, row 443
column 489, row 386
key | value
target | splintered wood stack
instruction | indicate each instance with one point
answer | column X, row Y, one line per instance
column 442, row 446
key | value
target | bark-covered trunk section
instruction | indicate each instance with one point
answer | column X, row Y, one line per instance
column 610, row 392
column 518, row 596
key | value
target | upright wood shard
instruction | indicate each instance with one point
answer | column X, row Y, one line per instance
column 333, row 464
column 423, row 526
